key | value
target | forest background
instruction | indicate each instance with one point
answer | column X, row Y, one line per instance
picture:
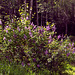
column 60, row 12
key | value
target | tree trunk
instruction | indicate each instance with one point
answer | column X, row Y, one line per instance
column 37, row 12
column 25, row 8
column 72, row 11
column 31, row 5
column 41, row 19
column 46, row 17
column 10, row 13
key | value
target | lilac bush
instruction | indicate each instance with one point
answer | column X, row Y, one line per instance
column 37, row 47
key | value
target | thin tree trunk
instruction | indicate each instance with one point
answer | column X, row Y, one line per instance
column 31, row 5
column 3, row 22
column 37, row 12
column 41, row 19
column 46, row 17
column 25, row 8
column 72, row 11
column 66, row 28
column 66, row 18
column 57, row 11
column 10, row 10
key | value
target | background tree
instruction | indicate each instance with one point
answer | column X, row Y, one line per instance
column 60, row 12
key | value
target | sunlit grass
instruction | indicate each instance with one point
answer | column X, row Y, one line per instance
column 70, row 69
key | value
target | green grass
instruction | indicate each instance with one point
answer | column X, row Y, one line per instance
column 14, row 69
column 70, row 69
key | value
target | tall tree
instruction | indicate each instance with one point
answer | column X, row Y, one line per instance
column 31, row 5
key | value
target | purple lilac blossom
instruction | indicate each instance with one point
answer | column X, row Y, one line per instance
column 14, row 35
column 7, row 26
column 30, row 33
column 12, row 20
column 34, row 60
column 49, row 41
column 0, row 21
column 68, row 54
column 29, row 28
column 28, row 64
column 59, row 36
column 22, row 63
column 7, row 57
column 74, row 48
column 4, row 38
column 54, row 28
column 50, row 37
column 65, row 50
column 46, row 52
column 22, row 18
column 38, row 65
column 32, row 24
column 41, row 31
column 33, row 41
column 27, row 18
column 34, row 27
column 18, row 29
column 10, row 40
column 25, row 37
column 48, row 28
column 73, row 52
column 72, row 44
column 13, row 29
column 6, row 31
column 26, row 28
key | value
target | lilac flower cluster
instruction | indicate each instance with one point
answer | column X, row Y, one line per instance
column 48, row 28
column 18, row 29
column 50, row 39
column 30, row 33
column 54, row 28
column 14, row 35
column 4, row 38
column 41, row 31
column 46, row 52
column 7, row 28
column 25, row 37
column 10, row 40
column 59, row 36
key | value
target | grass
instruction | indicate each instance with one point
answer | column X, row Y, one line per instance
column 70, row 69
column 14, row 69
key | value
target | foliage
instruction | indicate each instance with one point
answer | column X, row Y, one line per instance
column 35, row 49
column 36, row 46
